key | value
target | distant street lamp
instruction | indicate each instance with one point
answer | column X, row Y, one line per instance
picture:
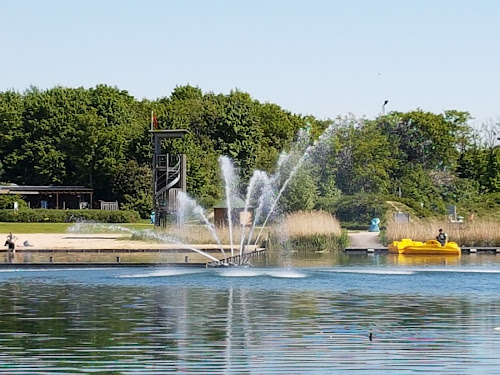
column 383, row 107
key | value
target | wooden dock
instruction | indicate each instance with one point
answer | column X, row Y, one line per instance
column 81, row 265
column 139, row 257
column 240, row 259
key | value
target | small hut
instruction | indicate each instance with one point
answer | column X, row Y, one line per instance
column 238, row 214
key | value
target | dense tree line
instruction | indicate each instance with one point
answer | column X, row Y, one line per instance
column 99, row 137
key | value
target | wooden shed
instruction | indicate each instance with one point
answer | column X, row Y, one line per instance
column 238, row 215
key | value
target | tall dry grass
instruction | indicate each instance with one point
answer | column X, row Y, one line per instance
column 481, row 232
column 295, row 225
column 303, row 224
column 199, row 234
column 315, row 231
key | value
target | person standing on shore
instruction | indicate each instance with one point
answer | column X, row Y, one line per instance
column 11, row 242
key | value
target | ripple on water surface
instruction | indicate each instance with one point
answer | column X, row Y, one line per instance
column 164, row 272
column 254, row 272
column 131, row 321
column 372, row 271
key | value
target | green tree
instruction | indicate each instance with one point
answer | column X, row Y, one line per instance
column 418, row 185
column 480, row 162
column 279, row 129
column 132, row 186
column 301, row 193
column 363, row 159
column 12, row 135
column 431, row 140
column 89, row 137
column 360, row 208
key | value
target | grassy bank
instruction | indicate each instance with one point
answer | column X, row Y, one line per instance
column 57, row 227
column 481, row 232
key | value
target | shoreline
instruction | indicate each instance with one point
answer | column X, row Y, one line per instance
column 76, row 248
column 96, row 241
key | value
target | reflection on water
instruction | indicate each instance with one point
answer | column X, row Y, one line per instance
column 252, row 320
column 314, row 259
column 424, row 260
column 106, row 256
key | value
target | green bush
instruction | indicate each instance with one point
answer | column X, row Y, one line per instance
column 354, row 225
column 356, row 211
column 484, row 205
column 7, row 201
column 417, row 207
column 360, row 208
column 140, row 203
column 27, row 215
column 8, row 216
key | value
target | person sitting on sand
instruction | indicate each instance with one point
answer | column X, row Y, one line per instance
column 442, row 237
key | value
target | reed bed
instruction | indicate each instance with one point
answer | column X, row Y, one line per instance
column 300, row 224
column 200, row 234
column 309, row 231
column 481, row 232
column 315, row 230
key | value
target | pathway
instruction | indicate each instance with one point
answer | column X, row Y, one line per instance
column 365, row 240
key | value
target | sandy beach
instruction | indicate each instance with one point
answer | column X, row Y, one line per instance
column 108, row 248
column 93, row 241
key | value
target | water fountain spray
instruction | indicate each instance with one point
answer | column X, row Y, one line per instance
column 256, row 184
column 319, row 144
column 188, row 204
column 150, row 234
column 285, row 160
column 263, row 199
column 168, row 239
column 228, row 174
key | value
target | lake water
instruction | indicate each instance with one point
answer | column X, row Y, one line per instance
column 426, row 315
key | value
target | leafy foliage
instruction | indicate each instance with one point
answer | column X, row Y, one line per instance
column 7, row 201
column 132, row 187
column 301, row 194
column 360, row 208
column 99, row 137
column 28, row 215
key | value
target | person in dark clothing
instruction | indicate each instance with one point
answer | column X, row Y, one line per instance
column 442, row 237
column 11, row 242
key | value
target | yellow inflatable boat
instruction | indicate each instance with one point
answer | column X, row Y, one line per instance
column 431, row 247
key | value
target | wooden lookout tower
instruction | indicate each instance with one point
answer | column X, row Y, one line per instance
column 169, row 175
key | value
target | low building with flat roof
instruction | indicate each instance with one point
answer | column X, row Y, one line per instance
column 56, row 197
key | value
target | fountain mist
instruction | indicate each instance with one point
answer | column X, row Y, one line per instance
column 188, row 205
column 256, row 184
column 227, row 169
column 149, row 234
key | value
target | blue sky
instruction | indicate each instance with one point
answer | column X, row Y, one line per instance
column 325, row 58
